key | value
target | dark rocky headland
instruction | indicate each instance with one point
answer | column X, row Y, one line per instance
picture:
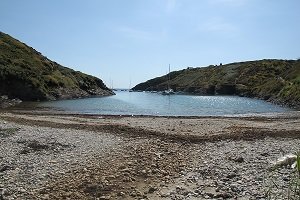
column 28, row 75
column 277, row 81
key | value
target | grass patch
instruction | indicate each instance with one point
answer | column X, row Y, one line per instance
column 291, row 189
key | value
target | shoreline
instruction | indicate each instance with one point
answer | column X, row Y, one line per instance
column 144, row 157
column 39, row 111
column 32, row 107
column 171, row 127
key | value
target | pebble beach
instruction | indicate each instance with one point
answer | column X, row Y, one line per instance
column 60, row 156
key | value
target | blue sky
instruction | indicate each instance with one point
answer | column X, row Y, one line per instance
column 123, row 40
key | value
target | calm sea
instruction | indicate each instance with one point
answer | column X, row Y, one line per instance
column 142, row 103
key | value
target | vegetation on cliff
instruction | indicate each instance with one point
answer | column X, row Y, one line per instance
column 273, row 80
column 27, row 74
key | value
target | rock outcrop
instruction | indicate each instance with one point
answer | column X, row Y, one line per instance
column 28, row 75
column 5, row 102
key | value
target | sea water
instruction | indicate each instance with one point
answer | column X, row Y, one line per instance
column 144, row 103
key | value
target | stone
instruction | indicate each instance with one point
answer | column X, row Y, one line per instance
column 210, row 191
column 121, row 194
column 186, row 193
column 287, row 160
column 110, row 177
column 104, row 198
column 5, row 168
column 265, row 154
column 197, row 191
column 152, row 189
column 239, row 159
column 22, row 190
column 231, row 175
column 223, row 195
column 165, row 195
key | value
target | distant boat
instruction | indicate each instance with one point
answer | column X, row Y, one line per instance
column 169, row 91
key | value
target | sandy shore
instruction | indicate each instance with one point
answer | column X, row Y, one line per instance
column 58, row 156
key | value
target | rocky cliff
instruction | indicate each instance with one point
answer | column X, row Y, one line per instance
column 28, row 75
column 273, row 80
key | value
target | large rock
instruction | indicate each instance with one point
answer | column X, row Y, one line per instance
column 5, row 102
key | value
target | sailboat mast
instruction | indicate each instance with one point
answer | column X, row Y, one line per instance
column 169, row 79
column 129, row 84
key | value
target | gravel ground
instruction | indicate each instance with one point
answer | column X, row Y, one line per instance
column 105, row 157
column 30, row 155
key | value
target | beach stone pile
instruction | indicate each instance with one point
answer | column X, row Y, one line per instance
column 6, row 102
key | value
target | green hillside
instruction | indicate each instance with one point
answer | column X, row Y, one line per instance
column 274, row 80
column 27, row 74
